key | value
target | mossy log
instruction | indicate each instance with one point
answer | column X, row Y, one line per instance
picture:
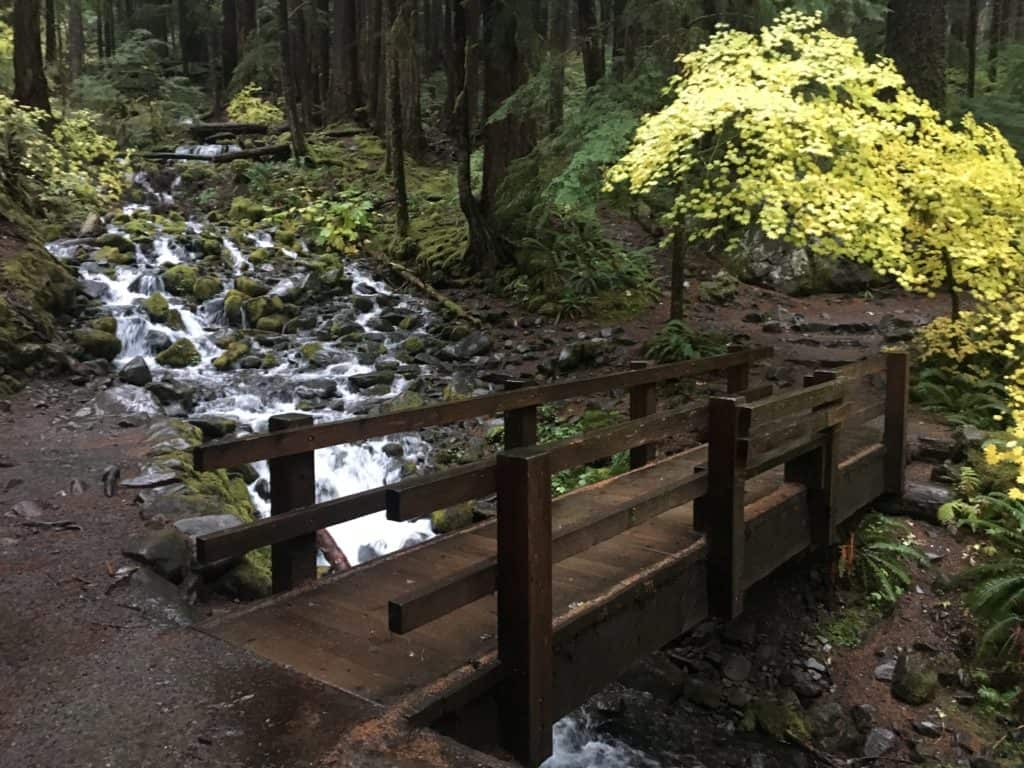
column 206, row 130
column 271, row 152
column 436, row 295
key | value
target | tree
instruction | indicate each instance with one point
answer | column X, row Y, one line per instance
column 995, row 37
column 972, row 46
column 394, row 15
column 52, row 51
column 229, row 38
column 295, row 124
column 30, row 87
column 558, row 44
column 915, row 38
column 591, row 42
column 76, row 39
column 346, row 90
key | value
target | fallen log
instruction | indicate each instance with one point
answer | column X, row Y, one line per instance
column 205, row 130
column 435, row 294
column 271, row 152
column 332, row 552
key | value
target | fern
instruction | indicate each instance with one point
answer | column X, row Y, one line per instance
column 882, row 549
column 963, row 396
column 677, row 341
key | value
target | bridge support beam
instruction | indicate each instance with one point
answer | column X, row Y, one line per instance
column 721, row 510
column 292, row 485
column 897, row 395
column 524, row 603
column 643, row 401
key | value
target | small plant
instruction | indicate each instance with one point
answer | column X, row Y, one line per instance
column 248, row 106
column 877, row 559
column 332, row 223
column 966, row 396
column 677, row 341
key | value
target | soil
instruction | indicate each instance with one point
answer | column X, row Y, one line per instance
column 98, row 666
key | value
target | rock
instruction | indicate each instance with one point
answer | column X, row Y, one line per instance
column 28, row 510
column 98, row 344
column 180, row 279
column 193, row 527
column 91, row 226
column 895, row 328
column 362, row 304
column 814, row 665
column 246, row 581
column 181, row 354
column 778, row 718
column 736, row 668
column 394, row 450
column 316, row 388
column 126, row 399
column 475, row 344
column 206, row 288
column 158, row 600
column 413, row 345
column 884, row 671
column 985, row 762
column 135, row 372
column 452, row 518
column 234, row 302
column 155, row 305
column 879, row 741
column 106, row 323
column 213, row 426
column 863, row 717
column 914, row 681
column 250, row 286
column 234, row 353
column 246, row 209
column 157, row 341
column 826, row 719
column 93, row 289
column 165, row 551
column 655, row 675
column 927, row 728
column 705, row 693
column 271, row 323
column 150, row 479
column 360, row 381
column 115, row 240
column 171, row 392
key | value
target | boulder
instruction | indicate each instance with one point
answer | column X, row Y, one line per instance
column 116, row 241
column 106, row 323
column 180, row 279
column 171, row 392
column 452, row 518
column 157, row 341
column 475, row 344
column 206, row 288
column 136, row 372
column 156, row 307
column 879, row 741
column 165, row 551
column 272, row 323
column 234, row 352
column 233, row 307
column 655, row 675
column 360, row 381
column 181, row 354
column 914, row 681
column 93, row 289
column 126, row 398
column 250, row 286
column 213, row 426
column 247, row 209
column 98, row 344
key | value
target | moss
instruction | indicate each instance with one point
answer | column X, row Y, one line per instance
column 106, row 323
column 139, row 226
column 452, row 519
column 247, row 209
column 116, row 241
column 174, row 321
column 272, row 323
column 233, row 303
column 404, row 402
column 250, row 287
column 234, row 352
column 261, row 256
column 111, row 255
column 230, row 491
column 413, row 345
column 181, row 354
column 156, row 306
column 98, row 344
column 779, row 718
column 180, row 279
column 206, row 288
column 269, row 361
column 310, row 350
column 848, row 628
column 285, row 235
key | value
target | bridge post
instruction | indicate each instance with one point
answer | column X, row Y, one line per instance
column 524, row 603
column 521, row 423
column 817, row 471
column 897, row 395
column 722, row 509
column 643, row 401
column 292, row 485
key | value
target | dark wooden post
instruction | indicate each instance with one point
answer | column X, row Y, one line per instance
column 817, row 470
column 292, row 485
column 521, row 423
column 722, row 510
column 737, row 378
column 643, row 401
column 524, row 603
column 897, row 395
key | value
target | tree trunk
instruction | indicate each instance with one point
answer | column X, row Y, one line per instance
column 396, row 14
column 51, row 32
column 346, row 91
column 30, row 87
column 620, row 44
column 558, row 44
column 323, row 49
column 214, row 75
column 404, row 34
column 302, row 70
column 229, row 39
column 502, row 139
column 677, row 308
column 995, row 38
column 591, row 43
column 246, row 11
column 971, row 33
column 916, row 40
column 109, row 28
column 76, row 39
column 295, row 125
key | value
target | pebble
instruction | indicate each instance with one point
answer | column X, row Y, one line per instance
column 879, row 742
column 29, row 510
column 816, row 666
column 927, row 728
column 885, row 671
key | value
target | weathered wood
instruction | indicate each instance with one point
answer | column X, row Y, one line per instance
column 772, row 459
column 643, row 401
column 737, row 378
column 456, row 309
column 292, row 485
column 778, row 529
column 897, row 398
column 420, row 496
column 236, row 451
column 755, row 415
column 860, row 480
column 723, row 510
column 520, row 423
column 863, row 415
column 235, row 542
column 431, row 602
column 853, row 371
column 780, row 433
column 524, row 603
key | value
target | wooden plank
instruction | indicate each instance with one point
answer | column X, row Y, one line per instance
column 428, row 603
column 292, row 485
column 783, row 454
column 854, row 371
column 235, row 542
column 723, row 510
column 643, row 401
column 897, row 399
column 448, row 701
column 861, row 416
column 232, row 452
column 778, row 529
column 419, row 496
column 770, row 436
column 861, row 480
column 753, row 416
column 520, row 423
column 524, row 603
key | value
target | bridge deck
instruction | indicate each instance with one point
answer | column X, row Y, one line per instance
column 336, row 630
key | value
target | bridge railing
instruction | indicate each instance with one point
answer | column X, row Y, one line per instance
column 292, row 438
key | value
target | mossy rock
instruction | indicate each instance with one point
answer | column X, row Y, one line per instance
column 779, row 718
column 138, row 226
column 211, row 246
column 261, row 256
column 247, row 209
column 174, row 321
column 310, row 350
column 404, row 402
column 106, row 323
column 413, row 345
column 246, row 581
column 452, row 519
column 272, row 323
column 180, row 279
column 285, row 235
column 156, row 306
column 233, row 306
column 112, row 255
column 269, row 361
column 914, row 681
column 250, row 286
column 181, row 354
column 98, row 344
column 235, row 351
column 206, row 288
column 117, row 241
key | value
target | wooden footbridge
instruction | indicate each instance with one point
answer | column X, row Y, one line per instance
column 499, row 629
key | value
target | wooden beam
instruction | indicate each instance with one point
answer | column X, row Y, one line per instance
column 643, row 401
column 520, row 423
column 853, row 371
column 292, row 485
column 861, row 480
column 755, row 415
column 525, row 603
column 897, row 398
column 723, row 510
column 236, row 451
column 420, row 496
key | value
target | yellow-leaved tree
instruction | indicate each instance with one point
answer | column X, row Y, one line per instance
column 793, row 132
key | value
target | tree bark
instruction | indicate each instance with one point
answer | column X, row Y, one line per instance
column 591, row 43
column 30, row 87
column 971, row 33
column 246, row 10
column 503, row 139
column 51, row 32
column 558, row 44
column 995, row 38
column 404, row 33
column 76, row 39
column 229, row 39
column 395, row 15
column 295, row 125
column 346, row 91
column 302, row 69
column 916, row 40
column 677, row 308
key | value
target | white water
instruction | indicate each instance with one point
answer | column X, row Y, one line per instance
column 576, row 746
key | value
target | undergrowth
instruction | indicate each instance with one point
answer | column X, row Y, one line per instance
column 970, row 395
column 677, row 341
column 877, row 560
